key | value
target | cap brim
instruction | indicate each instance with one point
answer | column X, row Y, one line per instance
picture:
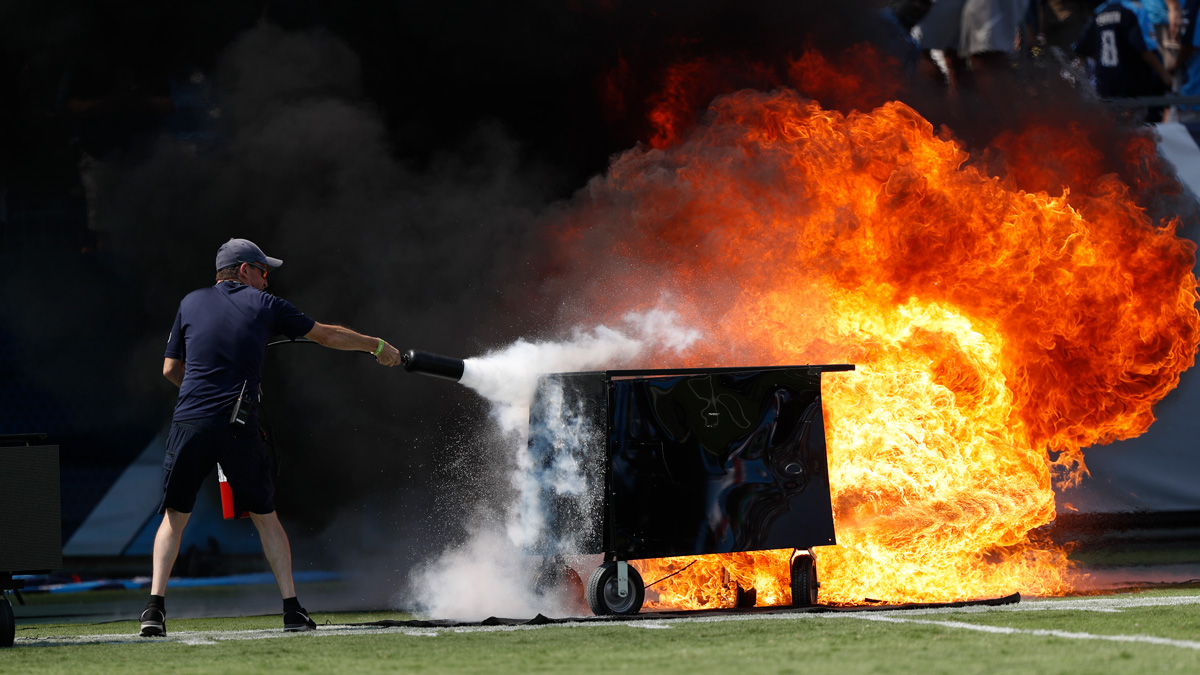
column 273, row 262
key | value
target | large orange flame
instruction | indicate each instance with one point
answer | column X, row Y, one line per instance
column 997, row 332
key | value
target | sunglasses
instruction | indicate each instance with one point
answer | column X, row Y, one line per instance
column 260, row 268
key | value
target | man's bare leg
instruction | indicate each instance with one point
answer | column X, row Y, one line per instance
column 279, row 554
column 277, row 549
column 166, row 548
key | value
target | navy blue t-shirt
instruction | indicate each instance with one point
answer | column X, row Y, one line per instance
column 221, row 335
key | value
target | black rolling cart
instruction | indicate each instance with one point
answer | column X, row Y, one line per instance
column 638, row 464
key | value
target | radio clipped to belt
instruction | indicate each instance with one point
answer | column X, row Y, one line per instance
column 241, row 410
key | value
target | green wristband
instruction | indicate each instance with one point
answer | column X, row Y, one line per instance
column 379, row 349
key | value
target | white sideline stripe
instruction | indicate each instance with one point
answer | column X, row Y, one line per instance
column 1094, row 604
column 1005, row 630
column 211, row 637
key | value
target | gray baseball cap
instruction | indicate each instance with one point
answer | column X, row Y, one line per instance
column 237, row 251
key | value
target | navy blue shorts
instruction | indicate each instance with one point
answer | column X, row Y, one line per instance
column 194, row 447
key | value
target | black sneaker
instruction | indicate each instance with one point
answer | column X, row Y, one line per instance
column 298, row 620
column 154, row 623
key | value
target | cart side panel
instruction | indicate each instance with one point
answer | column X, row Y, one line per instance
column 567, row 463
column 717, row 463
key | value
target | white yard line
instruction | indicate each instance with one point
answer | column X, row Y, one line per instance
column 1004, row 630
column 1103, row 603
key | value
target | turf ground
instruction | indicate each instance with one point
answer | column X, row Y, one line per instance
column 1131, row 632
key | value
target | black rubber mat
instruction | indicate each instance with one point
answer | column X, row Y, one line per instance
column 541, row 619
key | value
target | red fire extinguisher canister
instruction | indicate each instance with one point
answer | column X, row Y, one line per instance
column 227, row 497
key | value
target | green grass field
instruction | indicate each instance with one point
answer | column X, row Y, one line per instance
column 1148, row 631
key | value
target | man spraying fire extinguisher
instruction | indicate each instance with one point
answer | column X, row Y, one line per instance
column 215, row 356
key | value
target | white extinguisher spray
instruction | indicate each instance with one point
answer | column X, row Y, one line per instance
column 227, row 498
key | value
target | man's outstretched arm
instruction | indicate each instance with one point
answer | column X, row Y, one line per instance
column 340, row 337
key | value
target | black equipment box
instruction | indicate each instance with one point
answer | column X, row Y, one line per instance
column 30, row 517
column 30, row 507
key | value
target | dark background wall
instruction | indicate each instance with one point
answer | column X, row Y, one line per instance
column 402, row 157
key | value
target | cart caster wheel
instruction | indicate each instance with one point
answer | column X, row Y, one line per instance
column 602, row 595
column 804, row 580
column 8, row 624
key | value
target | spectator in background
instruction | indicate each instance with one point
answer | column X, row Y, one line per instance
column 1165, row 17
column 978, row 38
column 1189, row 64
column 899, row 19
column 1055, row 23
column 1160, row 20
column 1124, row 60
